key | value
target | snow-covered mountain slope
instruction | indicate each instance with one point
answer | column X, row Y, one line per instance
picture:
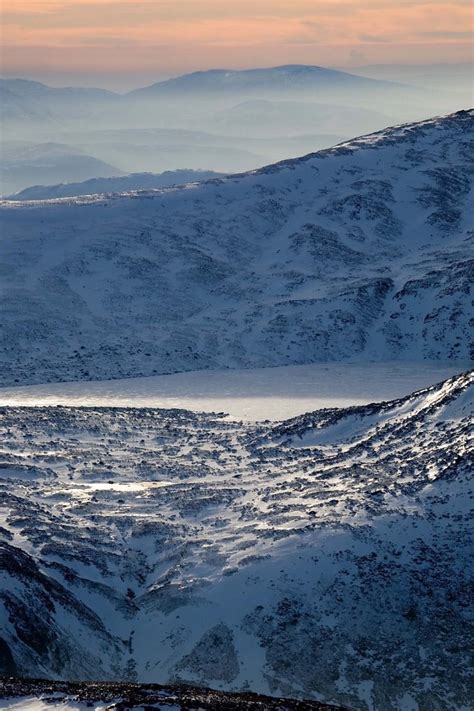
column 359, row 251
column 325, row 557
column 125, row 183
column 40, row 695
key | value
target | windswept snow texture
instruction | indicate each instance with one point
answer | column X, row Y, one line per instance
column 360, row 251
column 326, row 557
column 134, row 181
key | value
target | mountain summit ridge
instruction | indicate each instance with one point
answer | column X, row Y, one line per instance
column 301, row 76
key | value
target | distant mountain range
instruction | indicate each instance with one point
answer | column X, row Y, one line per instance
column 266, row 118
column 287, row 78
column 26, row 163
column 25, row 99
column 230, row 121
column 30, row 101
column 116, row 152
column 233, row 121
column 290, row 78
column 363, row 250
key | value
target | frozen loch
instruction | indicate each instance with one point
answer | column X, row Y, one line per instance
column 250, row 394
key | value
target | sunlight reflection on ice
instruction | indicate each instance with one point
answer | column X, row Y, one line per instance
column 253, row 394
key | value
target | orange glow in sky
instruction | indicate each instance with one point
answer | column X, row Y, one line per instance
column 182, row 35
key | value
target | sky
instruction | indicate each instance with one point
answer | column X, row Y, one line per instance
column 159, row 38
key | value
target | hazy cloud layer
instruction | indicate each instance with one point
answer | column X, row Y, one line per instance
column 180, row 35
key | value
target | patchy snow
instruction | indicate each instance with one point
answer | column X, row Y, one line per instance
column 70, row 704
column 326, row 556
column 41, row 695
column 38, row 704
column 251, row 394
column 172, row 546
column 358, row 252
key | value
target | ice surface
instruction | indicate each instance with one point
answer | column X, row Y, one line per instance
column 252, row 394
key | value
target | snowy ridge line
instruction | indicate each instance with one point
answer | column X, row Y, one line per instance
column 104, row 198
column 118, row 184
column 444, row 391
column 397, row 133
column 127, row 696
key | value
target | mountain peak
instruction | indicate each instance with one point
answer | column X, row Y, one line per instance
column 271, row 78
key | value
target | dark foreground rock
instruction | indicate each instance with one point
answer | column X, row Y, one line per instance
column 150, row 696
